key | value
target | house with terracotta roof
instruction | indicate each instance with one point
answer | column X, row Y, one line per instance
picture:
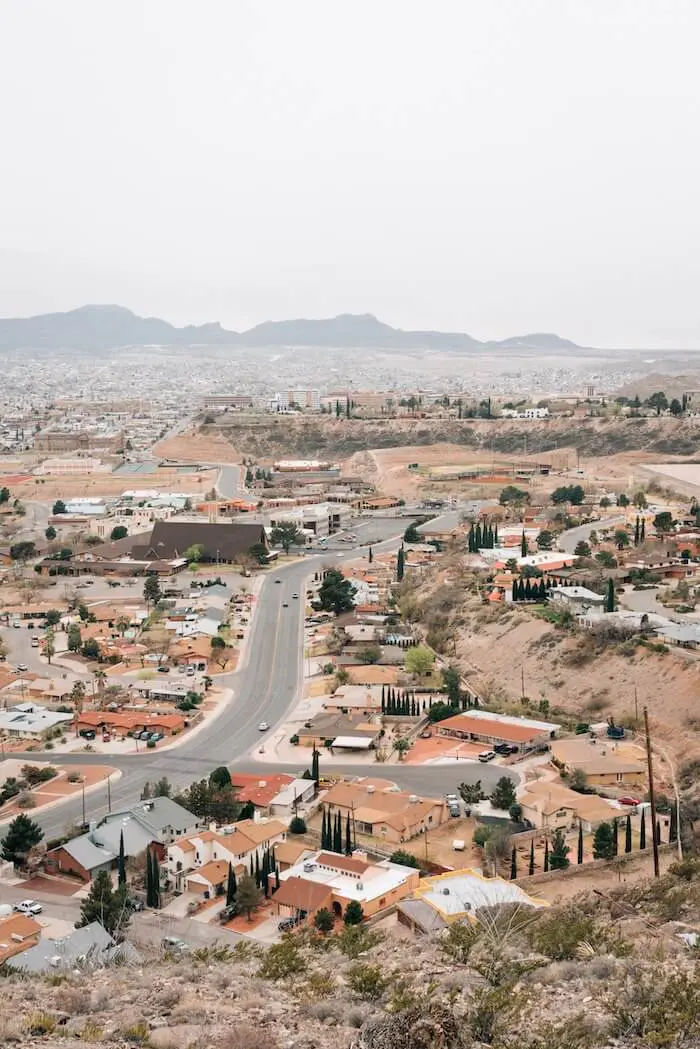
column 288, row 853
column 550, row 805
column 259, row 790
column 378, row 810
column 237, row 844
column 331, row 880
column 123, row 723
column 605, row 762
column 18, row 932
column 485, row 726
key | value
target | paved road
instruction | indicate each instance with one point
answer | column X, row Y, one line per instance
column 228, row 484
column 569, row 539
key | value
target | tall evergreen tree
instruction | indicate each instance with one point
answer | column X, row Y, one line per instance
column 470, row 539
column 643, row 830
column 513, row 864
column 121, row 867
column 579, row 856
column 616, row 838
column 545, row 866
column 370, row 555
column 323, row 828
column 400, row 564
column 531, row 864
column 628, row 834
column 315, row 770
column 673, row 829
column 478, row 541
column 495, row 535
column 543, row 590
column 257, row 870
column 523, row 545
column 658, row 832
column 642, row 531
column 636, row 531
column 156, row 880
column 231, row 886
column 610, row 597
column 348, row 836
column 528, row 590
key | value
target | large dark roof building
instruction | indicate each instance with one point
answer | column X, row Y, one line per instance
column 221, row 543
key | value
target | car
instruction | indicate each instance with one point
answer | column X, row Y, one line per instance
column 454, row 811
column 629, row 801
column 278, row 580
column 505, row 748
column 487, row 755
column 287, row 924
column 35, row 642
column 163, row 670
column 295, row 596
column 285, row 604
column 21, row 668
column 174, row 944
column 263, row 726
column 16, row 624
column 87, row 733
column 28, row 907
column 449, row 798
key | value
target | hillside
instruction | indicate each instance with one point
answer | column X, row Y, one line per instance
column 308, row 437
column 111, row 327
column 604, row 970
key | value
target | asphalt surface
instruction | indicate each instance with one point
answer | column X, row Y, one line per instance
column 568, row 540
column 228, row 483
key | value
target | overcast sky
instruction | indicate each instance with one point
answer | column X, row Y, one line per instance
column 490, row 166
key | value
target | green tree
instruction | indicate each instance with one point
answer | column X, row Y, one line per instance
column 50, row 533
column 401, row 745
column 231, row 887
column 610, row 596
column 559, row 852
column 316, row 766
column 657, row 401
column 523, row 545
column 569, row 493
column 412, row 535
column 105, row 905
column 452, row 686
column 59, row 507
column 582, row 549
column 4, row 495
column 579, row 850
column 400, row 564
column 53, row 617
column 353, row 913
column 440, row 711
column 471, row 793
column 91, row 649
column 370, row 654
column 628, row 834
column 121, row 861
column 664, row 522
column 503, row 794
column 545, row 540
column 118, row 532
column 511, row 494
column 286, row 534
column 220, row 777
column 419, row 661
column 49, row 645
column 675, row 407
column 259, row 553
column 640, row 500
column 621, row 538
column 23, row 834
column 336, row 594
column 606, row 559
column 248, row 896
column 151, row 591
column 531, row 863
column 194, row 553
column 604, row 842
column 23, row 550
column 297, row 825
column 513, row 864
column 323, row 920
column 623, row 500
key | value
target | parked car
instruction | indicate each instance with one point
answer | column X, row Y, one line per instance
column 287, row 924
column 163, row 670
column 22, row 668
column 35, row 642
column 295, row 596
column 454, row 810
column 28, row 907
column 263, row 726
column 174, row 944
column 506, row 748
column 87, row 733
column 629, row 801
column 487, row 755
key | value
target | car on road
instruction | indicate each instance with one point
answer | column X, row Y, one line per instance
column 263, row 726
column 174, row 944
column 285, row 604
column 629, row 801
column 28, row 907
column 35, row 642
column 22, row 668
column 163, row 670
column 295, row 596
column 487, row 755
column 278, row 580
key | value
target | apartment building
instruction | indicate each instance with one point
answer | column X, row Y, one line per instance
column 309, row 399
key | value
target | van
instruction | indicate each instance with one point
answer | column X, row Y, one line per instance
column 487, row 755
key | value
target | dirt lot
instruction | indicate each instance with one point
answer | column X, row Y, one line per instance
column 194, row 447
column 47, row 489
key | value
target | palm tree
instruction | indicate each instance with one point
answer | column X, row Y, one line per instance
column 122, row 624
column 100, row 678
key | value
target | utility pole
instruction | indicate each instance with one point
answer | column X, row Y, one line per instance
column 636, row 710
column 83, row 792
column 652, row 796
column 109, row 796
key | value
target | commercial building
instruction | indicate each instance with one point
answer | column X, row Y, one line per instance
column 381, row 811
column 485, row 726
column 220, row 543
column 304, row 399
column 330, row 880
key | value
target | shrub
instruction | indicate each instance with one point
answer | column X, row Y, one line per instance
column 297, row 826
column 367, row 981
column 353, row 913
column 323, row 920
column 41, row 1023
column 282, row 959
column 294, row 739
column 354, row 940
column 558, row 935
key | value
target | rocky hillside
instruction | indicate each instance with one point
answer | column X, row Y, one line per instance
column 312, row 436
column 607, row 970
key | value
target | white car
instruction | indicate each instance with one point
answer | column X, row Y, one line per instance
column 263, row 726
column 28, row 907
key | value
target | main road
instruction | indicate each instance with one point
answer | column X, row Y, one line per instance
column 265, row 688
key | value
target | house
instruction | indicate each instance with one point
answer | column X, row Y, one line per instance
column 288, row 853
column 355, row 699
column 238, row 844
column 330, row 880
column 27, row 721
column 210, row 879
column 331, row 727
column 221, row 543
column 576, row 598
column 458, row 895
column 259, row 792
column 18, row 932
column 551, row 805
column 293, row 794
column 485, row 726
column 124, row 723
column 379, row 810
column 90, row 944
column 157, row 821
column 604, row 762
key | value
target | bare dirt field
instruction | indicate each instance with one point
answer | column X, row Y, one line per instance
column 46, row 489
column 194, row 447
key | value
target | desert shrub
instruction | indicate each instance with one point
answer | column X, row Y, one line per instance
column 660, row 1012
column 367, row 981
column 41, row 1023
column 282, row 959
column 558, row 935
column 316, row 987
column 354, row 940
column 244, row 1036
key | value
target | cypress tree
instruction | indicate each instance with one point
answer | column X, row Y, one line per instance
column 528, row 590
column 315, row 770
column 383, row 703
column 636, row 531
column 383, row 696
column 338, row 842
column 579, row 857
column 400, row 564
column 470, row 539
column 370, row 555
column 149, row 879
column 121, row 876
column 531, row 865
column 523, row 544
column 543, row 590
column 513, row 865
column 642, row 531
column 156, row 880
column 495, row 535
column 258, row 880
column 546, row 855
column 616, row 842
column 610, row 597
column 348, row 836
column 628, row 834
column 231, row 886
column 643, row 830
column 323, row 828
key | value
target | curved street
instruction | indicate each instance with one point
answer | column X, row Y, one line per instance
column 265, row 687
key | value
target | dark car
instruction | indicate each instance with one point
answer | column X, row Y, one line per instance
column 87, row 733
column 505, row 748
column 163, row 670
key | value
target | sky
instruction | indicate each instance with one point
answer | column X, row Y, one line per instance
column 489, row 166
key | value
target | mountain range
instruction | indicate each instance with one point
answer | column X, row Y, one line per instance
column 114, row 327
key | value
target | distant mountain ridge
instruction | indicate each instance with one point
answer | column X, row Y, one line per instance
column 115, row 327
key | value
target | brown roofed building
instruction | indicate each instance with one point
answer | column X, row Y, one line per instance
column 385, row 813
column 221, row 543
column 297, row 897
column 18, row 932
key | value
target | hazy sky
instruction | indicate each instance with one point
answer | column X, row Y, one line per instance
column 490, row 166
